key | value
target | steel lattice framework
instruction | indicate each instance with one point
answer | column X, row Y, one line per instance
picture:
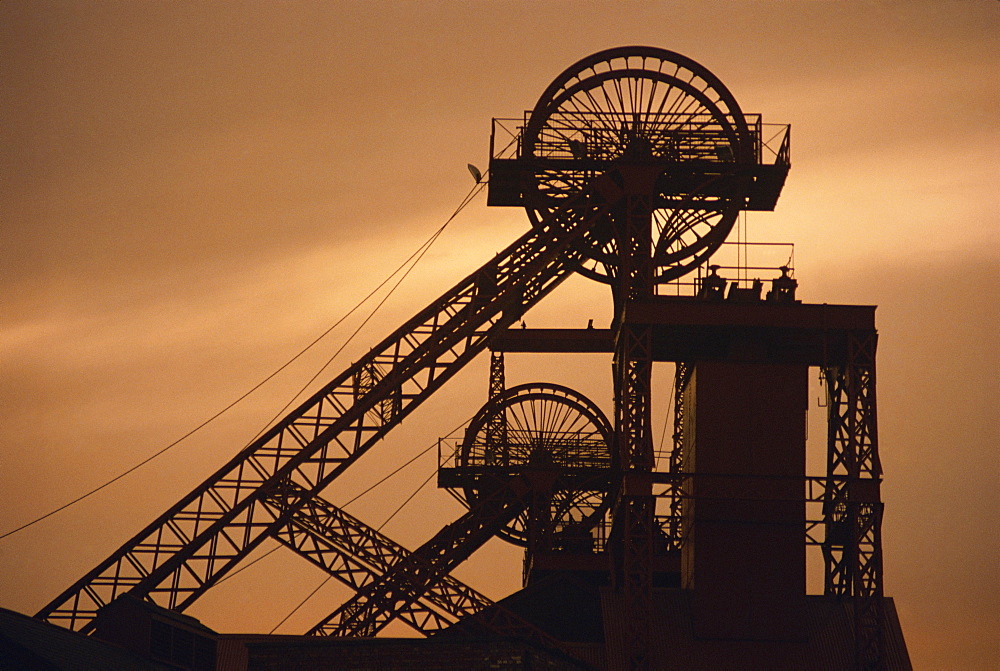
column 366, row 560
column 852, row 506
column 189, row 548
column 633, row 167
column 682, row 374
column 633, row 366
column 406, row 582
column 357, row 555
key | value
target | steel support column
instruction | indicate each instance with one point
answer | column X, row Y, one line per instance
column 633, row 362
column 682, row 374
column 496, row 428
column 636, row 506
column 852, row 550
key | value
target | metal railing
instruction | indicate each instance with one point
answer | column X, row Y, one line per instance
column 598, row 136
column 671, row 486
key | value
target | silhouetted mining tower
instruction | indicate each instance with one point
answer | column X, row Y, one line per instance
column 634, row 167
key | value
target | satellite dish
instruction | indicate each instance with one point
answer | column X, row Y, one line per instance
column 476, row 175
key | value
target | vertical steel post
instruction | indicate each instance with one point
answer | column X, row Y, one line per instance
column 496, row 428
column 682, row 374
column 852, row 549
column 634, row 513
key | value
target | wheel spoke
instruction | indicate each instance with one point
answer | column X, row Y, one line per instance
column 595, row 109
column 555, row 423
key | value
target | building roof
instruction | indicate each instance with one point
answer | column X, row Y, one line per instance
column 27, row 644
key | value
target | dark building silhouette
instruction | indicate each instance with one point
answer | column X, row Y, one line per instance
column 633, row 167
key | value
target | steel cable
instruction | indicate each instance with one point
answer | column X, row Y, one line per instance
column 415, row 257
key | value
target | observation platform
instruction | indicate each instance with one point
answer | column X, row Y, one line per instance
column 699, row 159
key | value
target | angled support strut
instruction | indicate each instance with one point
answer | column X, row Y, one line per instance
column 357, row 555
column 190, row 547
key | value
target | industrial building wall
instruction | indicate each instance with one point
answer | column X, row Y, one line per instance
column 744, row 549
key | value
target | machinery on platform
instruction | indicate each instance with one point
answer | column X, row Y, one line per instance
column 633, row 167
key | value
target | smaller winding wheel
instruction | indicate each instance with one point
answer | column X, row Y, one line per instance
column 542, row 427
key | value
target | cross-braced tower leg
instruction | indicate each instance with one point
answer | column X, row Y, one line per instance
column 634, row 514
column 634, row 517
column 496, row 428
column 853, row 508
column 682, row 374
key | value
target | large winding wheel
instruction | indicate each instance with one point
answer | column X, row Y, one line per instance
column 649, row 106
column 542, row 429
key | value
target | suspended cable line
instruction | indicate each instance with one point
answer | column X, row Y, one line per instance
column 414, row 257
column 671, row 409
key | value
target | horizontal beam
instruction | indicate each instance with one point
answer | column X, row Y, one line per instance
column 512, row 180
column 680, row 311
column 563, row 341
column 690, row 329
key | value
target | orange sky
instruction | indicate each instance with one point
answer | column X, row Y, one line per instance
column 192, row 192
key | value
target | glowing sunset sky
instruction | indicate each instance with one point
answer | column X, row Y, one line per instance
column 192, row 192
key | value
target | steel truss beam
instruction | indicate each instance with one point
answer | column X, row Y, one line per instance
column 357, row 555
column 410, row 581
column 189, row 548
column 496, row 427
column 406, row 581
column 853, row 509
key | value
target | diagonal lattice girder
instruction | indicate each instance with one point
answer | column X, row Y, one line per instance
column 852, row 549
column 191, row 546
column 418, row 575
column 356, row 555
column 378, row 602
